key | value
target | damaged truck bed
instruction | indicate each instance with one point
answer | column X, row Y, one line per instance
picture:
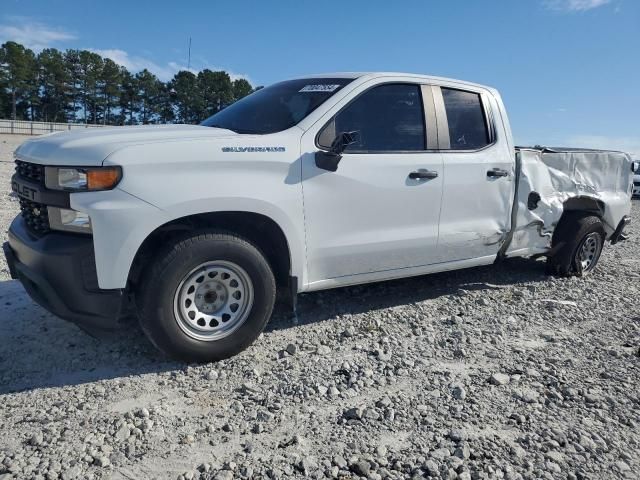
column 550, row 182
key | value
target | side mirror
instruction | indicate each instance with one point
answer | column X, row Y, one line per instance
column 635, row 166
column 330, row 160
column 343, row 140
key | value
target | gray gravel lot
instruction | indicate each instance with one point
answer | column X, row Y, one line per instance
column 496, row 372
column 8, row 203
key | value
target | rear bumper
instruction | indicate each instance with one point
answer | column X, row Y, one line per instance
column 58, row 272
column 619, row 233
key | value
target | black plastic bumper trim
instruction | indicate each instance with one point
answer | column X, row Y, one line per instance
column 11, row 260
column 57, row 271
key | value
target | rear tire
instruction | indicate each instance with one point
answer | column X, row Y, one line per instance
column 206, row 297
column 579, row 239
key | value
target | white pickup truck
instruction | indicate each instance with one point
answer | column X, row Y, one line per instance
column 308, row 184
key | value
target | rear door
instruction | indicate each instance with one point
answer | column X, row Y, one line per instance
column 478, row 165
column 372, row 215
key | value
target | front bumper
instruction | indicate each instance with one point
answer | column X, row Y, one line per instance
column 58, row 271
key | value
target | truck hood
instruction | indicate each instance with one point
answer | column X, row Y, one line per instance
column 91, row 146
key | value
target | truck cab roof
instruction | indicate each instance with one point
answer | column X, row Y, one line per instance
column 374, row 75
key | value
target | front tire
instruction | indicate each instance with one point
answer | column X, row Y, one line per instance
column 579, row 239
column 207, row 297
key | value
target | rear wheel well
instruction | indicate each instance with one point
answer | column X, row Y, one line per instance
column 259, row 229
column 568, row 240
column 578, row 207
column 584, row 204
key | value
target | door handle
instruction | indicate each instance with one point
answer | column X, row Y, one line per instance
column 423, row 174
column 497, row 172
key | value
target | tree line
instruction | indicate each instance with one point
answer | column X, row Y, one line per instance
column 83, row 87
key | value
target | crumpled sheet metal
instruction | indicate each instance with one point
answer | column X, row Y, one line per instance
column 558, row 176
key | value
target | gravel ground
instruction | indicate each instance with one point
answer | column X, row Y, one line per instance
column 496, row 372
column 8, row 203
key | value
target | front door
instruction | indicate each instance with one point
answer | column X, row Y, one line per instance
column 380, row 210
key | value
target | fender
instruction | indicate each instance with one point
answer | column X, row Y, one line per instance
column 115, row 249
column 291, row 228
column 195, row 177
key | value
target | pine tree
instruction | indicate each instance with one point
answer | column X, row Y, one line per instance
column 216, row 92
column 90, row 72
column 110, row 80
column 17, row 66
column 241, row 88
column 127, row 98
column 148, row 89
column 165, row 105
column 79, row 85
column 53, row 86
column 186, row 97
column 73, row 84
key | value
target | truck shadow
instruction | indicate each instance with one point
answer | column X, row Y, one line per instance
column 326, row 305
column 38, row 350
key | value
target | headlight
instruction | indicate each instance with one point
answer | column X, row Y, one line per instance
column 82, row 179
column 68, row 220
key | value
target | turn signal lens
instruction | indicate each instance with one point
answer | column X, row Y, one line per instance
column 103, row 179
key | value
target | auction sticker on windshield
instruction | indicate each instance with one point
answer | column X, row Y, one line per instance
column 319, row 88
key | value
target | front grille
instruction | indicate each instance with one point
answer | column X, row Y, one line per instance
column 35, row 215
column 30, row 171
column 637, row 184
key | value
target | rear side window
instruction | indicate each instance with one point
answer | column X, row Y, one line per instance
column 388, row 118
column 465, row 116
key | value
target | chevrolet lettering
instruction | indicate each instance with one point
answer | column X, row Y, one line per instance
column 23, row 190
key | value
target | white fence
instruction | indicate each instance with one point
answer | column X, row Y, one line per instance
column 23, row 127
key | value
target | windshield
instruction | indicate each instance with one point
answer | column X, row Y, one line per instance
column 277, row 107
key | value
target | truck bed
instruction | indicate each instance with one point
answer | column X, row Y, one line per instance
column 552, row 180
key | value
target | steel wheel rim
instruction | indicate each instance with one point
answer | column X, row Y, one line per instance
column 213, row 300
column 589, row 251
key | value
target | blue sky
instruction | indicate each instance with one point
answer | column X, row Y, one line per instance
column 568, row 70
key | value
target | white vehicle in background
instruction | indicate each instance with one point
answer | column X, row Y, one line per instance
column 636, row 184
column 308, row 184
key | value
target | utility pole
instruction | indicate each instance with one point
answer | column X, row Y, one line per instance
column 189, row 58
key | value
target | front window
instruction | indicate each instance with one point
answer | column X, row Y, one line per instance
column 277, row 107
column 387, row 118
